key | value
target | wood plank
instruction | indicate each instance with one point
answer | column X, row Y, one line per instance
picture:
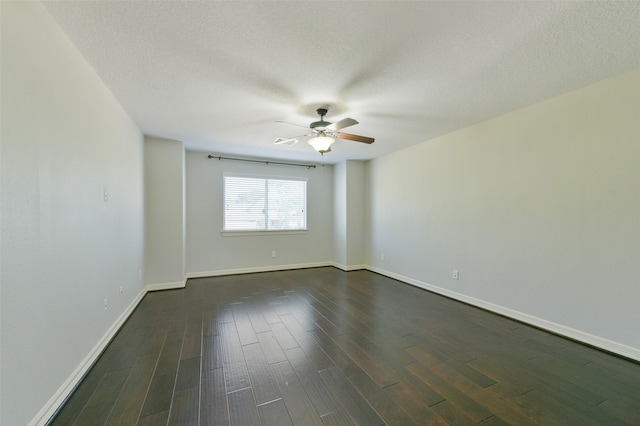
column 211, row 352
column 494, row 421
column 214, row 409
column 295, row 398
column 410, row 401
column 74, row 406
column 320, row 394
column 210, row 322
column 283, row 336
column 384, row 405
column 271, row 348
column 460, row 402
column 557, row 412
column 358, row 408
column 127, row 408
column 162, row 384
column 434, row 356
column 159, row 395
column 604, row 384
column 155, row 419
column 453, row 415
column 184, row 407
column 307, row 343
column 254, row 311
column 192, row 343
column 507, row 374
column 621, row 412
column 368, row 362
column 264, row 386
column 572, row 395
column 334, row 419
column 502, row 393
column 154, row 340
column 242, row 408
column 274, row 413
column 343, row 361
column 234, row 366
column 188, row 374
column 243, row 324
column 99, row 405
column 170, row 355
column 450, row 373
column 337, row 355
column 424, row 391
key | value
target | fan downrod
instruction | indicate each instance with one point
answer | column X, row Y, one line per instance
column 320, row 124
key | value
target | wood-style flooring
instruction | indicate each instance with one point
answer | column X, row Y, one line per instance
column 325, row 347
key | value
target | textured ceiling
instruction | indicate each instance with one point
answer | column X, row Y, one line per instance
column 217, row 75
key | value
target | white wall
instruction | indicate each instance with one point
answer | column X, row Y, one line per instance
column 356, row 208
column 350, row 214
column 538, row 209
column 340, row 214
column 63, row 248
column 211, row 253
column 164, row 212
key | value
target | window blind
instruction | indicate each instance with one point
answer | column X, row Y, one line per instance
column 264, row 204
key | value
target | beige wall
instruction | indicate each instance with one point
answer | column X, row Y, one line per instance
column 164, row 171
column 209, row 252
column 64, row 247
column 538, row 209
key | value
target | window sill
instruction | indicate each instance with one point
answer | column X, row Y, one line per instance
column 263, row 233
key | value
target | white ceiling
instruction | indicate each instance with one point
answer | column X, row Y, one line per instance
column 217, row 75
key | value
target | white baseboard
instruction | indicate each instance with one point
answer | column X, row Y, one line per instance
column 349, row 267
column 271, row 268
column 580, row 336
column 63, row 392
column 165, row 286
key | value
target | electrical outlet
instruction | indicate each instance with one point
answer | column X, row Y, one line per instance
column 121, row 289
column 105, row 194
column 455, row 274
column 381, row 256
column 273, row 253
column 106, row 301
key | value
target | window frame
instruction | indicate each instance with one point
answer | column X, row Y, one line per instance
column 266, row 178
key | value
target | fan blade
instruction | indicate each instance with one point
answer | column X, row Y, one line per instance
column 290, row 141
column 286, row 141
column 356, row 138
column 291, row 124
column 346, row 122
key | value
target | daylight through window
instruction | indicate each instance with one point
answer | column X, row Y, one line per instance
column 264, row 204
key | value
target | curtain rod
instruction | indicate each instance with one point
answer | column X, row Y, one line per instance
column 219, row 157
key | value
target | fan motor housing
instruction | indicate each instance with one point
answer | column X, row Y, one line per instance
column 319, row 125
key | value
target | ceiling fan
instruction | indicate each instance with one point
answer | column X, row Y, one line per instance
column 324, row 133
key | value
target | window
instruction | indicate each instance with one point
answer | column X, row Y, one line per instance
column 264, row 204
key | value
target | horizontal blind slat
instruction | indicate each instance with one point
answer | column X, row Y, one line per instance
column 264, row 204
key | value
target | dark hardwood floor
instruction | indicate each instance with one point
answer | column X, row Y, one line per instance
column 326, row 347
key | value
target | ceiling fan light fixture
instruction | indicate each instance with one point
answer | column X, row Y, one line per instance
column 325, row 133
column 321, row 143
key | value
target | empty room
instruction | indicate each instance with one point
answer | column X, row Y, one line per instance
column 319, row 213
